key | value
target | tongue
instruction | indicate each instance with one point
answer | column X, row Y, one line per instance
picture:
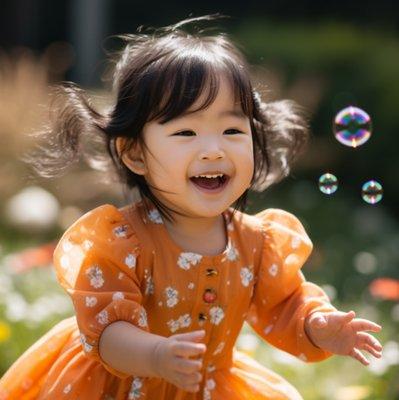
column 207, row 183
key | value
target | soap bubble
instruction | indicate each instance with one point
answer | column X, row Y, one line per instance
column 372, row 192
column 352, row 126
column 328, row 183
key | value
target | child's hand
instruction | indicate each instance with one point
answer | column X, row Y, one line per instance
column 339, row 333
column 171, row 360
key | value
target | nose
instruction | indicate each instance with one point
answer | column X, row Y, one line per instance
column 213, row 152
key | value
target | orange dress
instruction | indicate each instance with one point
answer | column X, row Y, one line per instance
column 123, row 265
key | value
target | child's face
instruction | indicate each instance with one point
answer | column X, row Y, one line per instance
column 212, row 145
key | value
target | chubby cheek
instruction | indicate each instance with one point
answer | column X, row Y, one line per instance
column 245, row 163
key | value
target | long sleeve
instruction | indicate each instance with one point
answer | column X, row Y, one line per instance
column 282, row 298
column 96, row 262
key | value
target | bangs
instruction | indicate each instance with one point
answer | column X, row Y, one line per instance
column 178, row 82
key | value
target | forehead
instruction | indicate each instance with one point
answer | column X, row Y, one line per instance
column 224, row 104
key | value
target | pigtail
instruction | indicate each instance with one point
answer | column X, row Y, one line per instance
column 60, row 143
column 282, row 134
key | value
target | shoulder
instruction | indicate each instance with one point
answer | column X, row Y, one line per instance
column 284, row 231
column 105, row 229
column 279, row 219
column 105, row 221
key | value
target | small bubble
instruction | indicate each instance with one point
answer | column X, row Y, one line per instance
column 372, row 192
column 328, row 183
column 352, row 126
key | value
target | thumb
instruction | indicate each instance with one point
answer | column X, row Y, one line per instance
column 349, row 316
column 193, row 336
column 319, row 321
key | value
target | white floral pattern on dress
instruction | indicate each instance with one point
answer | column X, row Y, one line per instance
column 64, row 261
column 67, row 245
column 268, row 329
column 87, row 244
column 273, row 269
column 86, row 346
column 182, row 322
column 118, row 296
column 191, row 285
column 155, row 216
column 186, row 260
column 102, row 317
column 173, row 325
column 135, row 392
column 120, row 231
column 143, row 322
column 295, row 242
column 232, row 252
column 219, row 348
column 67, row 389
column 246, row 275
column 130, row 260
column 149, row 289
column 217, row 314
column 121, row 275
column 171, row 296
column 302, row 357
column 210, row 385
column 95, row 275
column 291, row 260
column 91, row 301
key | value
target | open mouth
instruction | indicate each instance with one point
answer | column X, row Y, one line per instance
column 211, row 184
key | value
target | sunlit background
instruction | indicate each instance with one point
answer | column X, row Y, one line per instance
column 326, row 56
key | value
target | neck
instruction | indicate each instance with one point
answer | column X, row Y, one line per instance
column 203, row 235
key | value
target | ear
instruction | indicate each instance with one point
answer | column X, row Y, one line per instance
column 133, row 159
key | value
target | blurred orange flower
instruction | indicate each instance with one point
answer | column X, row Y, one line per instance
column 385, row 288
column 33, row 257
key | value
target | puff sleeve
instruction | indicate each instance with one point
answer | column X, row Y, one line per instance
column 282, row 298
column 96, row 263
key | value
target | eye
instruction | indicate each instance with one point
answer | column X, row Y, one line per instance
column 184, row 133
column 232, row 131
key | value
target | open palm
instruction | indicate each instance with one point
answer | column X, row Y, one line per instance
column 341, row 333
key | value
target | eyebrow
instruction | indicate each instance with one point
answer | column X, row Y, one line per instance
column 227, row 113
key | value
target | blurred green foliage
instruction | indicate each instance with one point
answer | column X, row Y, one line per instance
column 325, row 66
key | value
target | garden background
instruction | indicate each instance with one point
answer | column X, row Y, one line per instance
column 325, row 56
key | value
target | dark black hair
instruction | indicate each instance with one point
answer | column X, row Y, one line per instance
column 158, row 76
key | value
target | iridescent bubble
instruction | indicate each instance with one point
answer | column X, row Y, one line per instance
column 352, row 126
column 372, row 192
column 328, row 183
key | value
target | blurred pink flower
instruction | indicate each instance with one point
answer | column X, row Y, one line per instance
column 385, row 288
column 33, row 257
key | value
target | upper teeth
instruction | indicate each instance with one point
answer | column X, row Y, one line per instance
column 208, row 176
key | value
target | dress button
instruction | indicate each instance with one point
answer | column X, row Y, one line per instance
column 211, row 272
column 209, row 295
column 202, row 317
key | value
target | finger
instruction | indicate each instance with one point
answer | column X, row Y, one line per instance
column 193, row 336
column 372, row 350
column 360, row 324
column 188, row 383
column 188, row 349
column 185, row 366
column 357, row 355
column 348, row 317
column 366, row 338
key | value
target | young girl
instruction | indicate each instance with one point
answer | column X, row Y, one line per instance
column 162, row 286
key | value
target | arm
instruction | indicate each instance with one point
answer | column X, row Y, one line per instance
column 282, row 297
column 129, row 349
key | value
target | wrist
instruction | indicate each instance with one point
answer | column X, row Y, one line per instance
column 307, row 329
column 155, row 358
